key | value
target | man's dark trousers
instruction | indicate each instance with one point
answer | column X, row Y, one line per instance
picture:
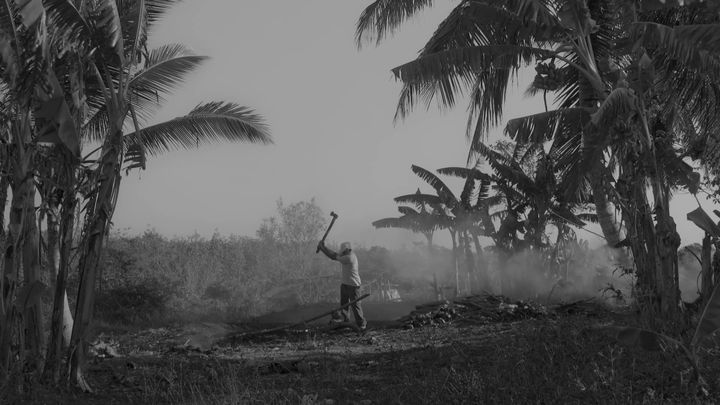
column 351, row 293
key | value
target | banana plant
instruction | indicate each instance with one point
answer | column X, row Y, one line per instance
column 116, row 84
column 635, row 77
column 419, row 219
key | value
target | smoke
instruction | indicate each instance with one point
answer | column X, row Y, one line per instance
column 584, row 273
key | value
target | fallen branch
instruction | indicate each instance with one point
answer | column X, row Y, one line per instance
column 279, row 328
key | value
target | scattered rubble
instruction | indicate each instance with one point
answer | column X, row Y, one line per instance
column 475, row 309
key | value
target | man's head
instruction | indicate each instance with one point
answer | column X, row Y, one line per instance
column 345, row 248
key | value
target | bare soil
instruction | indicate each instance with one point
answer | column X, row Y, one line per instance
column 558, row 358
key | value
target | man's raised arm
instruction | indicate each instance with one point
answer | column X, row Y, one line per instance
column 329, row 253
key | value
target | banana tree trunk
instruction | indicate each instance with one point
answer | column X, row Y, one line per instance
column 60, row 239
column 667, row 245
column 455, row 263
column 99, row 214
column 470, row 270
column 21, row 252
column 605, row 210
column 9, row 281
column 56, row 242
column 33, row 306
column 481, row 266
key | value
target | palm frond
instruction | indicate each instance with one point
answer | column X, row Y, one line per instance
column 620, row 104
column 400, row 222
column 419, row 199
column 165, row 68
column 210, row 122
column 383, row 17
column 508, row 171
column 135, row 157
column 443, row 191
column 68, row 26
column 138, row 17
column 464, row 173
column 108, row 22
column 588, row 217
column 447, row 74
column 538, row 128
column 693, row 46
column 408, row 210
column 567, row 216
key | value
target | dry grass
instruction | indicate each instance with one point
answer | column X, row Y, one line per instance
column 554, row 360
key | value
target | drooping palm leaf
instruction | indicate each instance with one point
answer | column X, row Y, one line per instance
column 443, row 191
column 135, row 157
column 620, row 104
column 400, row 222
column 68, row 26
column 419, row 199
column 464, row 173
column 446, row 74
column 567, row 216
column 210, row 122
column 541, row 127
column 693, row 46
column 383, row 17
column 166, row 67
column 408, row 210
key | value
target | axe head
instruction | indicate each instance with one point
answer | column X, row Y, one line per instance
column 333, row 214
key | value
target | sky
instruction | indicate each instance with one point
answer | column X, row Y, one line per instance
column 330, row 109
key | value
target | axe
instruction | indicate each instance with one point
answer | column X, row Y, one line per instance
column 334, row 217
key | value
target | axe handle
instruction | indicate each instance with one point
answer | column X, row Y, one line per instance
column 326, row 234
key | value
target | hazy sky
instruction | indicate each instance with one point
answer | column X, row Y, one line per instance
column 330, row 108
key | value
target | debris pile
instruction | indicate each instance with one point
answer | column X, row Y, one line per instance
column 473, row 309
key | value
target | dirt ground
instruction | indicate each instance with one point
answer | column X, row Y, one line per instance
column 558, row 358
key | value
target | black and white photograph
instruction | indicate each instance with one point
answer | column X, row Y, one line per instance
column 326, row 202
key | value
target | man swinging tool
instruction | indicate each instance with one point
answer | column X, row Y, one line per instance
column 350, row 286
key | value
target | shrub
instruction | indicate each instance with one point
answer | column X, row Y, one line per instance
column 132, row 303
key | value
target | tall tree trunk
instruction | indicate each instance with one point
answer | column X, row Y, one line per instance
column 455, row 262
column 606, row 211
column 56, row 240
column 667, row 245
column 18, row 252
column 99, row 214
column 481, row 265
column 33, row 307
column 61, row 222
column 470, row 270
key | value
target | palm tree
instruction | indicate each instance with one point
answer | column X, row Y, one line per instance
column 99, row 68
column 605, row 88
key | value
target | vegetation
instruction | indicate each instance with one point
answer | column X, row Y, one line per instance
column 155, row 281
column 77, row 74
column 634, row 90
column 634, row 82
